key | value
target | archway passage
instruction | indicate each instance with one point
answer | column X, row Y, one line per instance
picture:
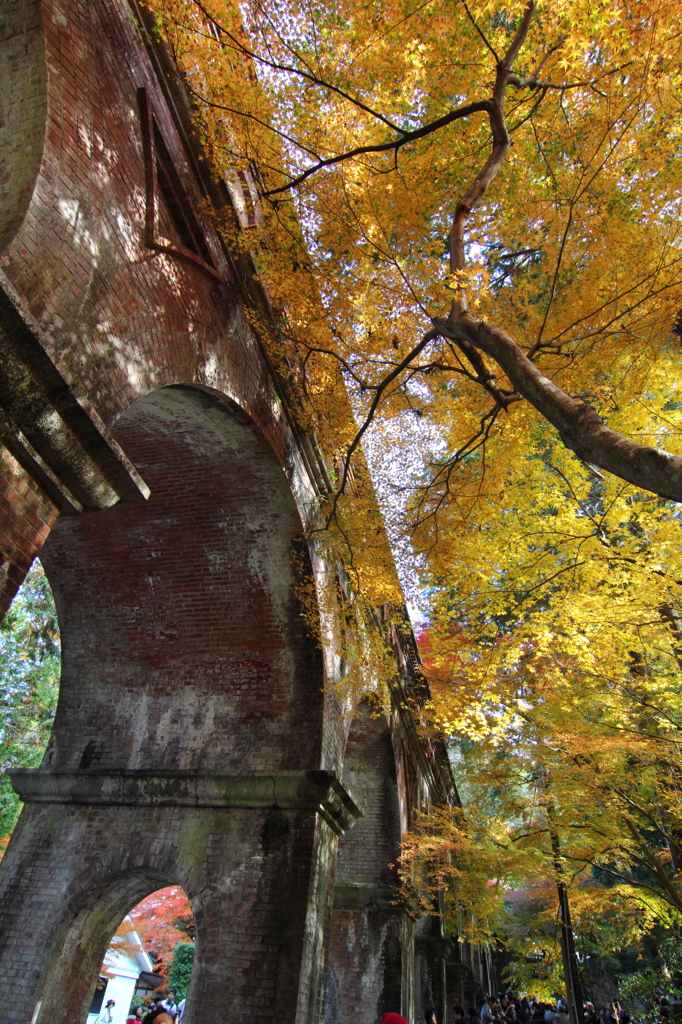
column 186, row 744
column 149, row 958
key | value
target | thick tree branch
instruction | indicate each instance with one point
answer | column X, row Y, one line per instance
column 580, row 427
column 647, row 859
column 533, row 82
column 485, row 376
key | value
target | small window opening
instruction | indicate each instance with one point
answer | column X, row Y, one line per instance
column 243, row 186
column 166, row 195
column 149, row 960
column 214, row 29
column 172, row 193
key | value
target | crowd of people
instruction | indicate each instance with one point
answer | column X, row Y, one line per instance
column 513, row 1009
column 506, row 1009
column 160, row 1010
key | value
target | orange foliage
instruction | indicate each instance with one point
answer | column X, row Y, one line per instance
column 163, row 920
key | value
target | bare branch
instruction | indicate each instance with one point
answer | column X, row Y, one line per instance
column 247, row 116
column 480, row 32
column 553, row 49
column 352, row 448
column 534, row 82
column 238, row 45
column 486, row 376
column 385, row 147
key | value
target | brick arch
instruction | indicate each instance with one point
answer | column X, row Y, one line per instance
column 183, row 644
column 368, row 972
column 94, row 914
column 93, row 321
column 22, row 132
column 187, row 744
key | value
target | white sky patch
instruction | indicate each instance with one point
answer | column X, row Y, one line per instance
column 398, row 452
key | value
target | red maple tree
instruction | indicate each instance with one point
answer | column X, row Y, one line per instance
column 163, row 919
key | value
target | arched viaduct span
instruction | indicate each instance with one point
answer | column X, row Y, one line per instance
column 151, row 457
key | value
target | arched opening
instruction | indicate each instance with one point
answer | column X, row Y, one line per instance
column 368, row 971
column 29, row 686
column 186, row 746
column 80, row 951
column 149, row 958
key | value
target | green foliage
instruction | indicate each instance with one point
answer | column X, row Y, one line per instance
column 181, row 968
column 640, row 990
column 643, row 988
column 29, row 684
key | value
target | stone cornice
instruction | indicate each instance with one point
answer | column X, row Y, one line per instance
column 318, row 792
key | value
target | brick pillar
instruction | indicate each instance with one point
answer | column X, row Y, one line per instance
column 187, row 742
column 257, row 878
column 431, row 950
column 463, row 989
column 367, row 954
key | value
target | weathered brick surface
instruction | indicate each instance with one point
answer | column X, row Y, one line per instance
column 183, row 645
column 25, row 521
column 75, row 872
column 22, row 110
column 365, row 952
column 366, row 852
column 120, row 319
column 183, row 648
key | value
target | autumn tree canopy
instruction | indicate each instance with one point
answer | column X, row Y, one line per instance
column 164, row 920
column 468, row 217
column 485, row 197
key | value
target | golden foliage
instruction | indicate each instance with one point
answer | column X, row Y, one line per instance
column 554, row 595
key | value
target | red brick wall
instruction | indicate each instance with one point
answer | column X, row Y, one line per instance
column 23, row 119
column 183, row 645
column 183, row 649
column 367, row 852
column 26, row 519
column 119, row 318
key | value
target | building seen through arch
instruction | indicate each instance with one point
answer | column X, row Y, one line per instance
column 126, row 963
column 149, row 956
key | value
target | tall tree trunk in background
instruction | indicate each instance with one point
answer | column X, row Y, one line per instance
column 574, row 995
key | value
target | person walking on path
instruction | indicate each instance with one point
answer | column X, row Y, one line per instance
column 106, row 1016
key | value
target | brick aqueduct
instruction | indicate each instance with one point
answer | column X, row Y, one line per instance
column 151, row 451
